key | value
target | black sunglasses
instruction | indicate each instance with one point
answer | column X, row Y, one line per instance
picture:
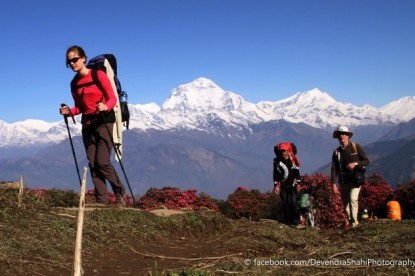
column 74, row 60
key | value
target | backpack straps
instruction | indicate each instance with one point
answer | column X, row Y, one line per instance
column 95, row 80
column 338, row 155
column 337, row 152
column 94, row 75
column 354, row 147
column 73, row 83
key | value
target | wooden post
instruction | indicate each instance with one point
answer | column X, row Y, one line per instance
column 15, row 185
column 20, row 194
column 77, row 267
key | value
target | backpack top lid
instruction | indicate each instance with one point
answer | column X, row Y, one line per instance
column 99, row 60
column 284, row 146
column 290, row 147
column 98, row 63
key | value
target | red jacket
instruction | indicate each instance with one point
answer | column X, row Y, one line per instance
column 87, row 97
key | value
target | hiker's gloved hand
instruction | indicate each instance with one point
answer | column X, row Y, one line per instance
column 64, row 110
column 102, row 107
column 351, row 166
column 298, row 186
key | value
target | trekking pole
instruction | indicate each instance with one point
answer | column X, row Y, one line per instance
column 118, row 155
column 70, row 140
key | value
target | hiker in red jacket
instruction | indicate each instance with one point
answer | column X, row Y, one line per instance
column 98, row 116
column 286, row 175
column 345, row 159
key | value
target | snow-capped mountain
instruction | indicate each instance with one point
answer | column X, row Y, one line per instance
column 212, row 140
column 404, row 108
column 201, row 104
column 195, row 104
column 318, row 109
column 31, row 132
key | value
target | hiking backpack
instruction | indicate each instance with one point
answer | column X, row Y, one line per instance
column 98, row 63
column 304, row 201
column 292, row 149
column 281, row 171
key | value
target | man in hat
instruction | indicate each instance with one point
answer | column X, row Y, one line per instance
column 344, row 160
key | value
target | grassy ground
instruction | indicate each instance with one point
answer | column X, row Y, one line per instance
column 37, row 239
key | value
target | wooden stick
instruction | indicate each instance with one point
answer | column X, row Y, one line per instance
column 341, row 253
column 15, row 185
column 20, row 194
column 151, row 255
column 77, row 267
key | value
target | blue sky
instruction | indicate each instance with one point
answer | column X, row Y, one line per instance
column 361, row 52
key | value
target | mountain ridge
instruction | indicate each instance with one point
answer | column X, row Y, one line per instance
column 213, row 144
column 215, row 164
column 197, row 104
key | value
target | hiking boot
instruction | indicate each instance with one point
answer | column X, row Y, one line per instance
column 96, row 205
column 297, row 226
column 120, row 201
column 300, row 226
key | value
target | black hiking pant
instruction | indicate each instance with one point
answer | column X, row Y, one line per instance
column 289, row 200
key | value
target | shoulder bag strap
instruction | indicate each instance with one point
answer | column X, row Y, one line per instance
column 354, row 147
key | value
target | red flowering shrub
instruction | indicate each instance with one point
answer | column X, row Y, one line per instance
column 327, row 204
column 374, row 195
column 405, row 195
column 90, row 196
column 249, row 204
column 41, row 192
column 175, row 199
column 205, row 201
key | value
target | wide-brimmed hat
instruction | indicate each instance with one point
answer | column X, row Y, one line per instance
column 342, row 129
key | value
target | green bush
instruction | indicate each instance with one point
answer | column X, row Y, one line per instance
column 60, row 198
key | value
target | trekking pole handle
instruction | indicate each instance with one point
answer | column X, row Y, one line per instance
column 70, row 114
column 64, row 116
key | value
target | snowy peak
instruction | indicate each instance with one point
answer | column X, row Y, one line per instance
column 309, row 98
column 201, row 83
column 202, row 95
column 196, row 104
column 319, row 109
column 33, row 132
column 404, row 107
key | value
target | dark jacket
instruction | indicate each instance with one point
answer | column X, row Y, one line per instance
column 285, row 171
column 342, row 157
